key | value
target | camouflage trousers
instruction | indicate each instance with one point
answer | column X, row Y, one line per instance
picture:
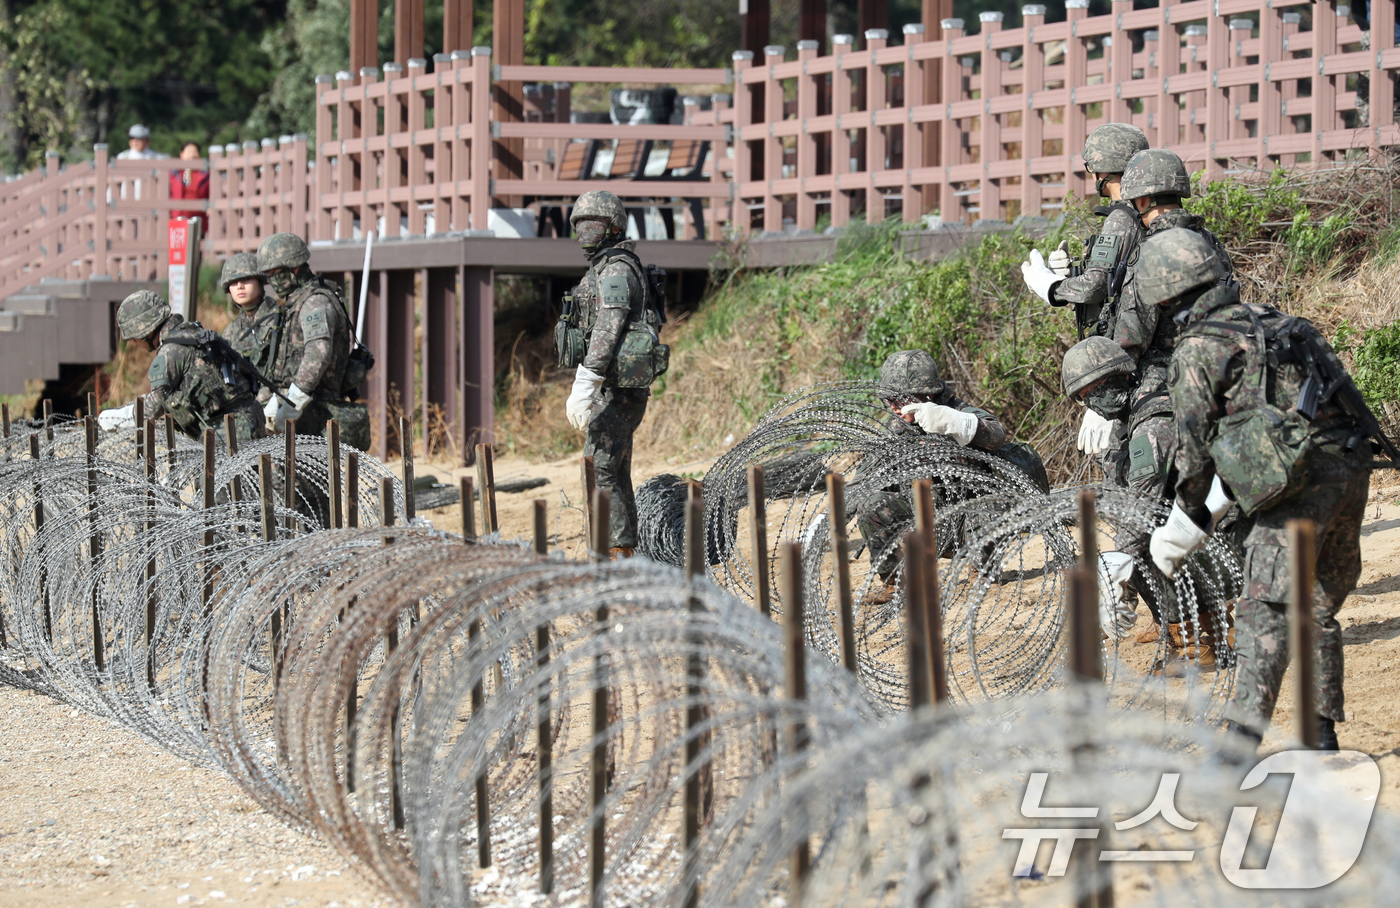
column 609, row 443
column 248, row 421
column 885, row 517
column 1335, row 500
column 1142, row 463
column 353, row 418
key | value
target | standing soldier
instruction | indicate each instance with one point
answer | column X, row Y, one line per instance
column 1106, row 154
column 256, row 330
column 313, row 366
column 609, row 331
column 1266, row 413
column 195, row 376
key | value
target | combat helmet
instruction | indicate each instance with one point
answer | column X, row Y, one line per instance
column 141, row 314
column 1155, row 172
column 239, row 266
column 601, row 204
column 1090, row 360
column 1110, row 146
column 910, row 372
column 1175, row 262
column 282, row 250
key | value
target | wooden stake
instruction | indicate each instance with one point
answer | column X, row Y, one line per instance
column 486, row 480
column 794, row 637
column 5, row 419
column 590, row 485
column 1302, row 645
column 170, row 441
column 758, row 539
column 841, row 569
column 269, row 534
column 139, row 413
column 207, row 484
column 149, row 453
column 915, row 615
column 333, row 462
column 598, row 763
column 410, row 506
column 352, row 490
column 39, row 525
column 235, row 485
column 289, row 475
column 99, row 644
column 698, row 784
column 544, row 721
column 48, row 420
column 1088, row 530
column 483, row 796
column 926, row 524
column 1085, row 652
column 391, row 643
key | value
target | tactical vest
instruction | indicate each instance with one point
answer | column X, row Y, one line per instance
column 217, row 380
column 640, row 357
column 1263, row 447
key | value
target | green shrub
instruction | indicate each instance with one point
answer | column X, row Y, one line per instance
column 1377, row 364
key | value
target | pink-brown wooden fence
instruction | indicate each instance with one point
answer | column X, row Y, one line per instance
column 971, row 126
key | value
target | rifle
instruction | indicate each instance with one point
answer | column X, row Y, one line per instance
column 1327, row 379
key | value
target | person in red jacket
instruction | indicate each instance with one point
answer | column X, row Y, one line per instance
column 190, row 184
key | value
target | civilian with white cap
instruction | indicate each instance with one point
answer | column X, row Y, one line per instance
column 138, row 139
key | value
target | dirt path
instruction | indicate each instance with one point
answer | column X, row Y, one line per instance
column 93, row 816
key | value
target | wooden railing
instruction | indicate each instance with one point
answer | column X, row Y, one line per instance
column 970, row 126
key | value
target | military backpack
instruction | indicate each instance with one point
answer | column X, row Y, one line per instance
column 199, row 397
column 641, row 357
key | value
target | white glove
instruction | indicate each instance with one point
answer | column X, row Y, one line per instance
column 1038, row 277
column 1059, row 259
column 936, row 419
column 1096, row 433
column 117, row 418
column 1116, row 616
column 580, row 404
column 279, row 410
column 1217, row 501
column 1174, row 540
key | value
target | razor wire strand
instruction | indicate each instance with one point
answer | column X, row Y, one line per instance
column 1006, row 545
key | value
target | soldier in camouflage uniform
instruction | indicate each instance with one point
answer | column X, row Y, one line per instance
column 257, row 327
column 1154, row 183
column 921, row 404
column 190, row 380
column 309, row 365
column 1241, row 399
column 614, row 301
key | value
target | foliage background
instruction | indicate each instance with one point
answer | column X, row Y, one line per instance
column 76, row 72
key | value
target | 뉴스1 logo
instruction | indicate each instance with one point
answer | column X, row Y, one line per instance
column 1319, row 836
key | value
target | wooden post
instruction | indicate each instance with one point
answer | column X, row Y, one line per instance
column 841, row 569
column 289, row 474
column 48, row 420
column 483, row 795
column 391, row 643
column 352, row 490
column 926, row 525
column 410, row 507
column 758, row 539
column 38, row 526
column 333, row 463
column 149, row 452
column 170, row 441
column 1302, row 646
column 698, row 784
column 598, row 764
column 99, row 655
column 1085, row 654
column 544, row 723
column 207, row 486
column 790, row 580
column 468, row 511
column 5, row 419
column 235, row 486
column 590, row 484
column 486, row 479
column 915, row 613
column 269, row 534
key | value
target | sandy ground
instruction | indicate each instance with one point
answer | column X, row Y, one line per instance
column 92, row 815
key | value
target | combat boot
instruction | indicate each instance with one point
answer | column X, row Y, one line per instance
column 1185, row 644
column 885, row 594
column 1327, row 734
column 618, row 553
column 1151, row 635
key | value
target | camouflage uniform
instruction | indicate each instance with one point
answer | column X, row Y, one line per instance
column 610, row 431
column 1214, row 375
column 192, row 389
column 908, row 375
column 1106, row 151
column 315, row 345
column 255, row 329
